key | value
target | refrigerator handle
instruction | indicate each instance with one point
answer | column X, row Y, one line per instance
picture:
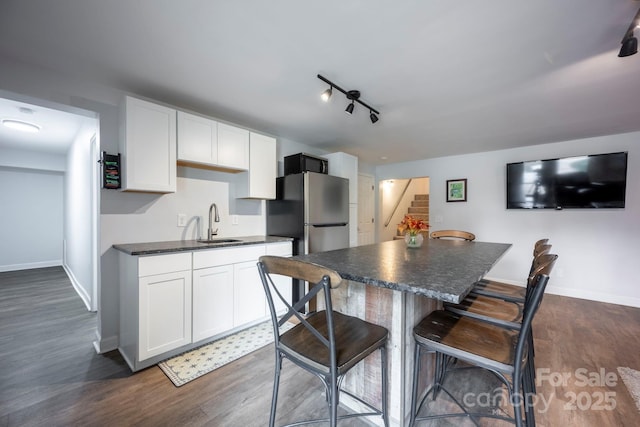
column 337, row 224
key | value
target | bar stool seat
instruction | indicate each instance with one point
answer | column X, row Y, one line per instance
column 355, row 339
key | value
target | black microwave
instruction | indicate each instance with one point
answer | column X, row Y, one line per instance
column 303, row 162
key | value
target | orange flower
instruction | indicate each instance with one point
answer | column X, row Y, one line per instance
column 412, row 225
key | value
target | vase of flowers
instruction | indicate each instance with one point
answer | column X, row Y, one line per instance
column 413, row 229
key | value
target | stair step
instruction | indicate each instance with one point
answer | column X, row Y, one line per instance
column 419, row 210
column 421, row 197
column 418, row 203
column 424, row 217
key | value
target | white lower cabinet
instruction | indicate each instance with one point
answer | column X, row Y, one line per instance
column 249, row 300
column 239, row 299
column 170, row 303
column 155, row 306
column 165, row 313
column 212, row 296
column 283, row 284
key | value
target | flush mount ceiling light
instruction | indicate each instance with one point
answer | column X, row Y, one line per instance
column 352, row 95
column 629, row 42
column 21, row 126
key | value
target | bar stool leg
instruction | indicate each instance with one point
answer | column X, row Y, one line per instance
column 384, row 379
column 276, row 384
column 414, row 391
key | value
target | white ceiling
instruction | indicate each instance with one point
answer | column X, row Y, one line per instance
column 58, row 129
column 448, row 77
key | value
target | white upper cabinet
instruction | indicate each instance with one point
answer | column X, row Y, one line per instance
column 148, row 146
column 233, row 147
column 197, row 139
column 259, row 182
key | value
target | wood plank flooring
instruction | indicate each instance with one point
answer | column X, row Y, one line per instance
column 50, row 374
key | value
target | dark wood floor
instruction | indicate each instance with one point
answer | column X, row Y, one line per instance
column 50, row 374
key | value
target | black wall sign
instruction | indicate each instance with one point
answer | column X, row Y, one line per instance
column 110, row 170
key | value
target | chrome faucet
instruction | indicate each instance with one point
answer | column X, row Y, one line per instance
column 212, row 232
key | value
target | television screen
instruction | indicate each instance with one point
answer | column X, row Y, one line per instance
column 594, row 181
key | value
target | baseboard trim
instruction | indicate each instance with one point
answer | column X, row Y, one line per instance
column 78, row 287
column 105, row 345
column 30, row 265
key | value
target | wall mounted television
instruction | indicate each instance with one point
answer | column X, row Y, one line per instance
column 595, row 181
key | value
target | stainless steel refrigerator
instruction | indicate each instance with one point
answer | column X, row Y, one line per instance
column 313, row 208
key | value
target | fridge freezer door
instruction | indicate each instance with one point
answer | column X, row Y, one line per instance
column 326, row 238
column 326, row 199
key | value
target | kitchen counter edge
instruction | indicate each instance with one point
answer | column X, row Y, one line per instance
column 154, row 248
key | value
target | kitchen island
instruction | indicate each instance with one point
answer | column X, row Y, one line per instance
column 394, row 286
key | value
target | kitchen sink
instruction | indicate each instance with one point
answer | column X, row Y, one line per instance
column 218, row 240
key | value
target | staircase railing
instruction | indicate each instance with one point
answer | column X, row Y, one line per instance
column 386, row 223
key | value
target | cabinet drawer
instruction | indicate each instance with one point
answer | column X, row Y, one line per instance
column 159, row 264
column 215, row 257
column 279, row 249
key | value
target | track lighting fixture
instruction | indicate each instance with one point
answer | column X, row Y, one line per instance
column 629, row 42
column 352, row 95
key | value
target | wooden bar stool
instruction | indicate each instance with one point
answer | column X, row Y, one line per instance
column 501, row 351
column 508, row 291
column 327, row 343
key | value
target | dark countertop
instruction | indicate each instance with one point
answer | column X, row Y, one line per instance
column 193, row 245
column 442, row 269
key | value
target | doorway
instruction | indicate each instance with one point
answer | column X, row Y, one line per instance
column 399, row 197
column 65, row 146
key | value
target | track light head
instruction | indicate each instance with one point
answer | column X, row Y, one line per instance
column 629, row 42
column 629, row 47
column 326, row 94
column 349, row 108
column 373, row 117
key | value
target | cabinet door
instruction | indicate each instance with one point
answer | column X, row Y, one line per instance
column 197, row 139
column 283, row 284
column 249, row 300
column 212, row 301
column 149, row 151
column 263, row 167
column 165, row 313
column 233, row 147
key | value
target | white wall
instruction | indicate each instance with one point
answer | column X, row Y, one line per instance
column 597, row 249
column 31, row 225
column 79, row 191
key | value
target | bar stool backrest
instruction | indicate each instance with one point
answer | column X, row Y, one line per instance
column 457, row 234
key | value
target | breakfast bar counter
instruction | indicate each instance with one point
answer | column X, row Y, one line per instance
column 395, row 287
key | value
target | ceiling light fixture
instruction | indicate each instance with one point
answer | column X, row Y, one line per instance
column 352, row 95
column 21, row 126
column 629, row 42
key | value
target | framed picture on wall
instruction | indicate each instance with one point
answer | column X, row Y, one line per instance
column 457, row 190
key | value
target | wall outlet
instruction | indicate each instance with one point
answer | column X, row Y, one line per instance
column 182, row 220
column 234, row 219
